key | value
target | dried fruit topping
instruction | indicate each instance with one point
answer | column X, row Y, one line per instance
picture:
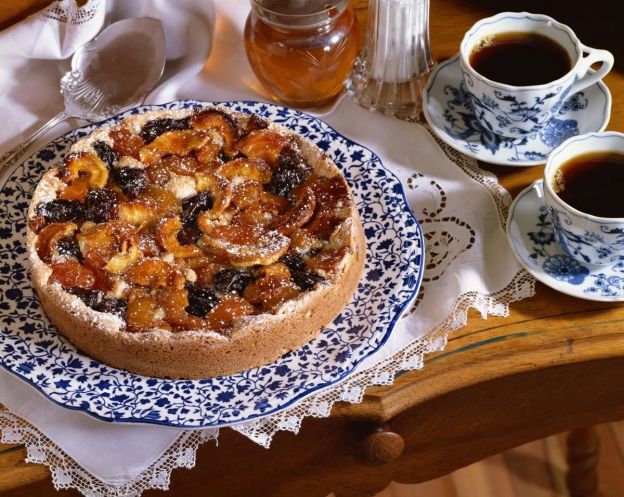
column 137, row 213
column 219, row 187
column 96, row 300
column 201, row 300
column 188, row 235
column 246, row 169
column 223, row 123
column 157, row 127
column 173, row 143
column 269, row 292
column 277, row 269
column 251, row 193
column 205, row 267
column 227, row 311
column 209, row 154
column 84, row 164
column 60, row 211
column 77, row 191
column 143, row 315
column 101, row 239
column 49, row 238
column 293, row 262
column 36, row 223
column 193, row 206
column 68, row 247
column 154, row 273
column 106, row 153
column 327, row 261
column 259, row 215
column 174, row 304
column 71, row 273
column 287, row 176
column 126, row 143
column 300, row 214
column 167, row 235
column 263, row 144
column 96, row 262
column 255, row 122
column 164, row 201
column 148, row 244
column 128, row 255
column 230, row 280
column 133, row 181
column 245, row 246
column 101, row 205
column 306, row 280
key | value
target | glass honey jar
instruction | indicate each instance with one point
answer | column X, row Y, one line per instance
column 302, row 51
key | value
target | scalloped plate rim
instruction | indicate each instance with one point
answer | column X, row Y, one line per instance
column 353, row 368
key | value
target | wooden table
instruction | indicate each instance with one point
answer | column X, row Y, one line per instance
column 553, row 365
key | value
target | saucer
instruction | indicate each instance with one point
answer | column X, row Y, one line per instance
column 448, row 111
column 530, row 234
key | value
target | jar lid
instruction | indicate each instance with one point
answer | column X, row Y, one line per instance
column 299, row 13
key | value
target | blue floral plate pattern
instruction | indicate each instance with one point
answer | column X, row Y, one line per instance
column 33, row 350
column 531, row 236
column 449, row 112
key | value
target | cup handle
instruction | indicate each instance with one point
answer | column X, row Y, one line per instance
column 538, row 186
column 591, row 56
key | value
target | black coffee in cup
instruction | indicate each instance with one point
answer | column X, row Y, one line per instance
column 520, row 58
column 592, row 183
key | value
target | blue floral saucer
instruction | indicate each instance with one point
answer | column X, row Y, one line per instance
column 448, row 111
column 32, row 349
column 530, row 234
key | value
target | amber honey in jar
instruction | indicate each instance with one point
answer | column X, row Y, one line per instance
column 302, row 51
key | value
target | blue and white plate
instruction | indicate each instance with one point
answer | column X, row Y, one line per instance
column 448, row 111
column 532, row 239
column 33, row 350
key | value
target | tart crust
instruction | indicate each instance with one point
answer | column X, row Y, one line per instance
column 254, row 340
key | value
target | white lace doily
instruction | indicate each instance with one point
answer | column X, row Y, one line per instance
column 452, row 237
column 66, row 473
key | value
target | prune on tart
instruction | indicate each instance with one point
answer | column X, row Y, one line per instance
column 193, row 243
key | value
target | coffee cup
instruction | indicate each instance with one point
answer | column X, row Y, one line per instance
column 518, row 111
column 586, row 237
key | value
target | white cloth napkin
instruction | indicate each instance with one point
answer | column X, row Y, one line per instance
column 471, row 261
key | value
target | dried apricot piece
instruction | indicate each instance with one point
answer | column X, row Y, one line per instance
column 220, row 189
column 299, row 215
column 164, row 201
column 223, row 123
column 263, row 144
column 137, row 213
column 128, row 255
column 76, row 191
column 269, row 292
column 229, row 308
column 167, row 235
column 246, row 246
column 177, row 142
column 71, row 274
column 154, row 273
column 126, row 143
column 246, row 169
column 85, row 164
column 50, row 236
column 143, row 314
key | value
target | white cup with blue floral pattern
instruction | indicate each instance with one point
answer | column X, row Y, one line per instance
column 522, row 111
column 587, row 238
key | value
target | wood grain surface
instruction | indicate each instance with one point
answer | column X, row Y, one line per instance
column 551, row 366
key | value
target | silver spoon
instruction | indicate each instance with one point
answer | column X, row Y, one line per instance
column 113, row 72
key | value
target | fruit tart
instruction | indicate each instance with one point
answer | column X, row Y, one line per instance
column 193, row 243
